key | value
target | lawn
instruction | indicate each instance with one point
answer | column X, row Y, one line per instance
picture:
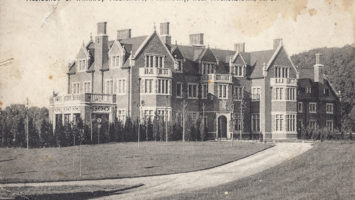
column 118, row 160
column 324, row 172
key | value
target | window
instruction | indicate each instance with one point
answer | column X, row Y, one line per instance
column 255, row 122
column 66, row 118
column 255, row 93
column 312, row 124
column 326, row 91
column 279, row 93
column 222, row 91
column 207, row 68
column 87, row 86
column 148, row 115
column 192, row 90
column 163, row 86
column 109, row 86
column 163, row 114
column 115, row 61
column 279, row 122
column 329, row 108
column 237, row 125
column 75, row 88
column 238, row 70
column 329, row 125
column 121, row 85
column 282, row 72
column 193, row 116
column 154, row 61
column 238, row 93
column 121, row 115
column 148, row 86
column 179, row 65
column 300, row 124
column 291, row 123
column 312, row 107
column 300, row 107
column 291, row 94
column 82, row 64
column 309, row 90
column 179, row 90
column 204, row 91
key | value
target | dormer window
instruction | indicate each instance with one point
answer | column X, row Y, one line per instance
column 115, row 61
column 207, row 68
column 238, row 70
column 309, row 90
column 116, row 55
column 82, row 64
column 179, row 67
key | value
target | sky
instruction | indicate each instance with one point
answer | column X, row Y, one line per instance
column 39, row 39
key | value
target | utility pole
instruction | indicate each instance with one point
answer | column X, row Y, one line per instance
column 184, row 105
column 27, row 132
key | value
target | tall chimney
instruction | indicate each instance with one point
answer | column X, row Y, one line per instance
column 123, row 34
column 318, row 69
column 101, row 46
column 101, row 28
column 196, row 39
column 164, row 33
column 277, row 43
column 239, row 47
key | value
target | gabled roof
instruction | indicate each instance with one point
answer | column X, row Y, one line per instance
column 207, row 55
column 116, row 42
column 132, row 44
column 257, row 60
column 222, row 55
column 278, row 50
column 145, row 42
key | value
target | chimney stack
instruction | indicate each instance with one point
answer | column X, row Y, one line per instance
column 101, row 45
column 318, row 69
column 196, row 39
column 164, row 34
column 124, row 34
column 164, row 28
column 239, row 47
column 101, row 28
column 277, row 43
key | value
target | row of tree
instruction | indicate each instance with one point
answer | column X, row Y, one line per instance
column 41, row 133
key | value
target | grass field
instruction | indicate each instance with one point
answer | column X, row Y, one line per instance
column 117, row 160
column 324, row 172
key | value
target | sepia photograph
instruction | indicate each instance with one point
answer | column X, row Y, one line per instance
column 177, row 99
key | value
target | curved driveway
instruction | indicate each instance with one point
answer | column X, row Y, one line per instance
column 160, row 186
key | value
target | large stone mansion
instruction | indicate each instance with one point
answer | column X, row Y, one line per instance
column 260, row 92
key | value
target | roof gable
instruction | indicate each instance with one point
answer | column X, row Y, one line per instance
column 116, row 49
column 83, row 53
column 278, row 51
column 177, row 53
column 238, row 57
column 207, row 56
column 146, row 41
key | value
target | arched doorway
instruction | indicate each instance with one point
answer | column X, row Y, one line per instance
column 222, row 127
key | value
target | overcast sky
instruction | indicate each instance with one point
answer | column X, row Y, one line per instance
column 43, row 37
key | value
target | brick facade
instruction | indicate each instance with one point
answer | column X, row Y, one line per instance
column 141, row 77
